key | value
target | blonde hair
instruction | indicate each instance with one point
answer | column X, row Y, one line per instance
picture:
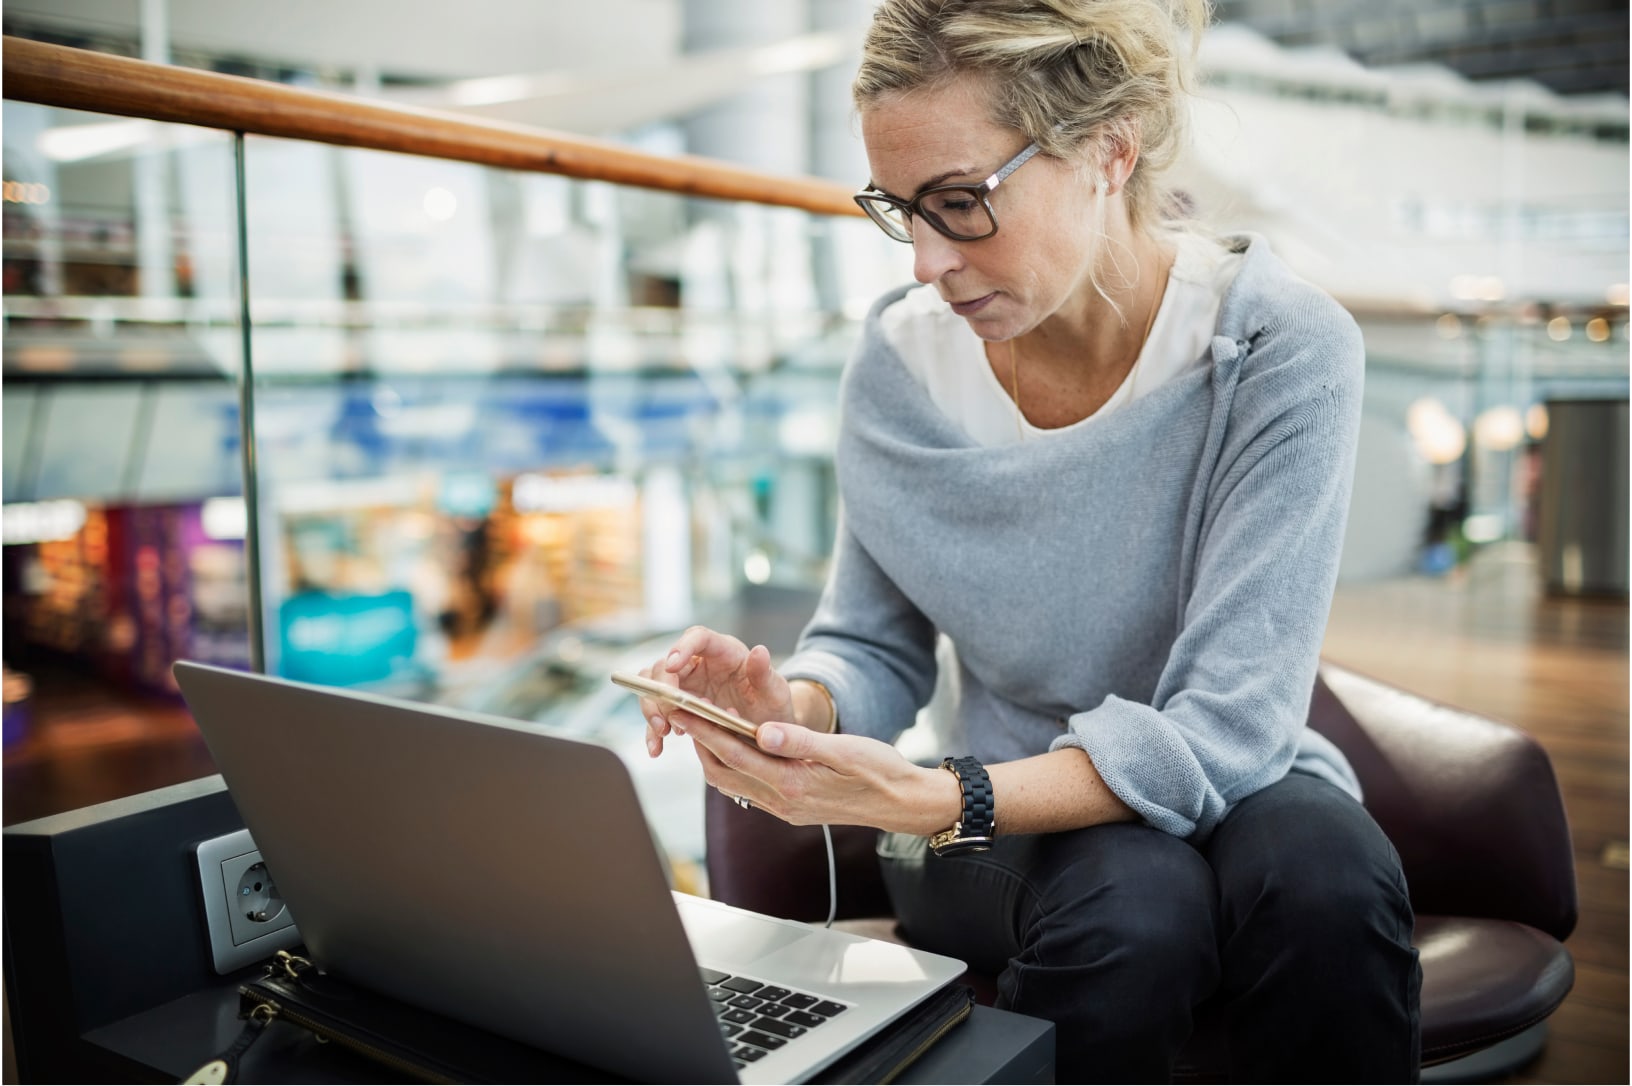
column 1073, row 75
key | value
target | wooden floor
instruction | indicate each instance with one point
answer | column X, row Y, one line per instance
column 1487, row 640
column 1484, row 639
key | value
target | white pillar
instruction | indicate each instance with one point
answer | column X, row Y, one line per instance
column 836, row 151
column 835, row 137
column 765, row 126
column 154, row 260
column 665, row 548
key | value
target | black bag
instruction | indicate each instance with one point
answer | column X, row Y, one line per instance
column 427, row 1047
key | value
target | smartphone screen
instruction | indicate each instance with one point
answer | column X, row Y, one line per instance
column 691, row 703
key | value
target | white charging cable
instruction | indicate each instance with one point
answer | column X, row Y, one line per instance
column 832, row 878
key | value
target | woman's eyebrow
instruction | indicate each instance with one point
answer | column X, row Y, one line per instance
column 931, row 183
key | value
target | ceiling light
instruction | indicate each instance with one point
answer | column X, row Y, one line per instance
column 1498, row 428
column 808, row 53
column 1438, row 436
column 1465, row 288
column 225, row 518
column 494, row 90
column 76, row 142
column 1536, row 420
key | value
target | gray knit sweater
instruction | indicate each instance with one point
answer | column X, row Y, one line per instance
column 1151, row 586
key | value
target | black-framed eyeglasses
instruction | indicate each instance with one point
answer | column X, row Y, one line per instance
column 960, row 212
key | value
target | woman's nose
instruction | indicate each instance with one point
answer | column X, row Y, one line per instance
column 933, row 255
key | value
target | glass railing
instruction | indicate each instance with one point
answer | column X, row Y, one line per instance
column 510, row 429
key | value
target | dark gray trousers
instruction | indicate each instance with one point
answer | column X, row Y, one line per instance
column 1292, row 921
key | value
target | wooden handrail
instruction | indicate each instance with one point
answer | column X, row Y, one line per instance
column 56, row 75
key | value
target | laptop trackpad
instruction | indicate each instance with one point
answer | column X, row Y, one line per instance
column 724, row 936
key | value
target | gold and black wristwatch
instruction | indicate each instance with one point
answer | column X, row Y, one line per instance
column 977, row 824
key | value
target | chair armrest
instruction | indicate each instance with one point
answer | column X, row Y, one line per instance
column 1471, row 804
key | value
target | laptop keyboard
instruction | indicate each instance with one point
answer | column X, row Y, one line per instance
column 757, row 1018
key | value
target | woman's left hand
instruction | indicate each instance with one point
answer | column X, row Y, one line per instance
column 809, row 778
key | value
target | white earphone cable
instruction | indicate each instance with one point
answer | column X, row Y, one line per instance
column 832, row 879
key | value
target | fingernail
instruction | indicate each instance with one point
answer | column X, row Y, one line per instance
column 673, row 661
column 656, row 722
column 651, row 745
column 770, row 737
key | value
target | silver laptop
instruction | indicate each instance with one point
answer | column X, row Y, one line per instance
column 507, row 878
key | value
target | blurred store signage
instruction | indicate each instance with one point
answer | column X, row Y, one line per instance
column 466, row 494
column 323, row 495
column 343, row 639
column 41, row 522
column 559, row 494
column 26, row 192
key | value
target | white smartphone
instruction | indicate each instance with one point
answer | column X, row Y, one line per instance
column 691, row 703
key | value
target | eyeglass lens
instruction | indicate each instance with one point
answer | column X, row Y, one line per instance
column 958, row 213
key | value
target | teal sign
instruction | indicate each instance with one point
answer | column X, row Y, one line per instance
column 344, row 639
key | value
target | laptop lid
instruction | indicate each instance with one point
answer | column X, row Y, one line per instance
column 469, row 865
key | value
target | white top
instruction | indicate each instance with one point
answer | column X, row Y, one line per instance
column 946, row 357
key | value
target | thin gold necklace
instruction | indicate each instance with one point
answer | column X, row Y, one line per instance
column 1014, row 365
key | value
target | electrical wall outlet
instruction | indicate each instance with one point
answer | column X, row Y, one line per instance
column 246, row 916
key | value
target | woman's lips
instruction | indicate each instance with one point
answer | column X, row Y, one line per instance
column 969, row 308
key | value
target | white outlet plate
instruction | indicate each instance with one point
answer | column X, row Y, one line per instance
column 236, row 942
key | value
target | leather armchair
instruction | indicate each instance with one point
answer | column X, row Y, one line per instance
column 1471, row 805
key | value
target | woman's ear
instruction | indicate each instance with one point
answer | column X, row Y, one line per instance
column 1119, row 154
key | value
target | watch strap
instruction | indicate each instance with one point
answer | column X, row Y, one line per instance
column 978, row 818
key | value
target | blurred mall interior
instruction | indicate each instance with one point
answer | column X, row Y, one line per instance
column 512, row 431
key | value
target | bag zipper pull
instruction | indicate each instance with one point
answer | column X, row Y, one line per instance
column 293, row 964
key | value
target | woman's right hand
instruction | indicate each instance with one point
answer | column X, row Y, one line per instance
column 722, row 669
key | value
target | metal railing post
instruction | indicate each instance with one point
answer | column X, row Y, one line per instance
column 246, row 420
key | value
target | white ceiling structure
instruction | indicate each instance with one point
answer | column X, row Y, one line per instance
column 1395, row 187
column 408, row 38
column 1412, row 187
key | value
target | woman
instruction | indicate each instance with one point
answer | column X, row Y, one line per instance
column 1107, row 462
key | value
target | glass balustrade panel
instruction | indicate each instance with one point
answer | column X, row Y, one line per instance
column 123, row 517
